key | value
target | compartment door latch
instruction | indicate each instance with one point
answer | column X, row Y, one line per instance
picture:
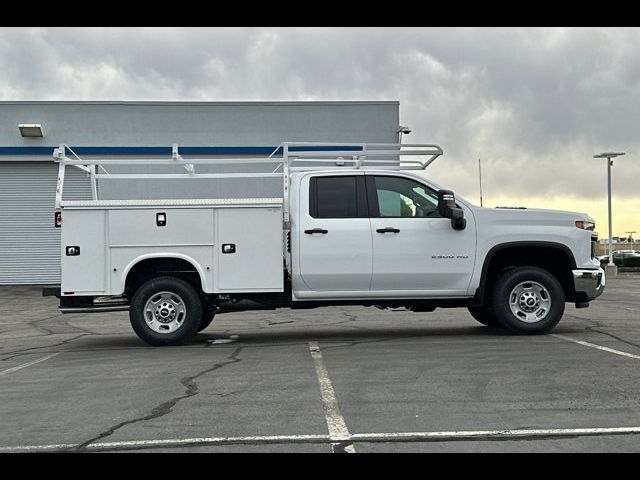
column 228, row 248
column 161, row 219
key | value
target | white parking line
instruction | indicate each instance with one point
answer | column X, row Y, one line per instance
column 491, row 434
column 358, row 437
column 338, row 431
column 25, row 365
column 175, row 442
column 597, row 347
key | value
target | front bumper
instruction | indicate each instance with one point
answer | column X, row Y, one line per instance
column 589, row 284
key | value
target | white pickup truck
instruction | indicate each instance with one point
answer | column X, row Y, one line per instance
column 353, row 226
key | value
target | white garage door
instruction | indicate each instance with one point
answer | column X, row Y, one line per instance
column 29, row 242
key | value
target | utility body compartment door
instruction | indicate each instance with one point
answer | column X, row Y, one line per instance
column 84, row 265
column 249, row 250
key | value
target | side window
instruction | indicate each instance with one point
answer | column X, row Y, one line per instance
column 337, row 197
column 401, row 197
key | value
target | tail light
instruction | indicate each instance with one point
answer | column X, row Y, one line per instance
column 58, row 219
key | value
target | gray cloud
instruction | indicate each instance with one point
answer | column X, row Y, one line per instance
column 535, row 104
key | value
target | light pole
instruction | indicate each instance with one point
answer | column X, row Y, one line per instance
column 609, row 156
column 631, row 237
column 400, row 131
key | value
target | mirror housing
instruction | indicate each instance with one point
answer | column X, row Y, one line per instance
column 447, row 208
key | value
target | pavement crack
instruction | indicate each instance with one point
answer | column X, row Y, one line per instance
column 192, row 389
column 27, row 351
column 36, row 324
column 597, row 325
column 351, row 319
column 225, row 395
column 360, row 342
column 44, row 330
column 285, row 322
column 81, row 329
column 615, row 337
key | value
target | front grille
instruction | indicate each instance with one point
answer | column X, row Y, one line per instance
column 594, row 243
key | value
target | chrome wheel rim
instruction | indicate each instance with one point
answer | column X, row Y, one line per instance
column 530, row 302
column 165, row 312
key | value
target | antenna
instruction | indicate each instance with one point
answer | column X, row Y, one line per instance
column 480, row 171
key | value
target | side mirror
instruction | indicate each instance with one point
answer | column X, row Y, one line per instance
column 447, row 208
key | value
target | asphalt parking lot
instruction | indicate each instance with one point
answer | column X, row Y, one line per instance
column 336, row 379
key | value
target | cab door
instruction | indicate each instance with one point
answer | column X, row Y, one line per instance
column 414, row 249
column 334, row 234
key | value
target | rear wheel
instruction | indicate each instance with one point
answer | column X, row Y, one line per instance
column 485, row 316
column 528, row 300
column 165, row 311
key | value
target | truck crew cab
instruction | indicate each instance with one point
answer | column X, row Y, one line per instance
column 353, row 226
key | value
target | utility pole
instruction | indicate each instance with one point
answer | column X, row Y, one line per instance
column 480, row 171
column 609, row 156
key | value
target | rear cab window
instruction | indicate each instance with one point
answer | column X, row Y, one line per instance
column 338, row 197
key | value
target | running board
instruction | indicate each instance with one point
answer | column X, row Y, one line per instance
column 93, row 304
column 97, row 309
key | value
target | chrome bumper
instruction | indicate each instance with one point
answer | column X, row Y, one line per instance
column 589, row 284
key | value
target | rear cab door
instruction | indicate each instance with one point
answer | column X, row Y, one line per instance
column 332, row 251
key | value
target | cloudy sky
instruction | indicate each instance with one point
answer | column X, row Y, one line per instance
column 534, row 103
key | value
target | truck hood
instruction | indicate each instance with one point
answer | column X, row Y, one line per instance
column 532, row 216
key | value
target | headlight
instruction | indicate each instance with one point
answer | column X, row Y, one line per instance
column 585, row 225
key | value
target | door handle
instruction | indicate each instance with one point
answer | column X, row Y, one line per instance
column 316, row 230
column 388, row 230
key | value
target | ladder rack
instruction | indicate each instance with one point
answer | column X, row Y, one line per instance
column 287, row 158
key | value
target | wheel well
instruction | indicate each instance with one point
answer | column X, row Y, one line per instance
column 555, row 260
column 159, row 267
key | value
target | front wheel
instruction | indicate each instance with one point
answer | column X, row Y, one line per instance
column 528, row 301
column 165, row 311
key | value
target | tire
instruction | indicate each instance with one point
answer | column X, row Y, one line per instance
column 528, row 301
column 165, row 311
column 485, row 316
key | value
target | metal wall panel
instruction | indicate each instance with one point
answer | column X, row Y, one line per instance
column 29, row 242
column 207, row 124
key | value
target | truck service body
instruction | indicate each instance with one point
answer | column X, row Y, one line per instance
column 354, row 226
